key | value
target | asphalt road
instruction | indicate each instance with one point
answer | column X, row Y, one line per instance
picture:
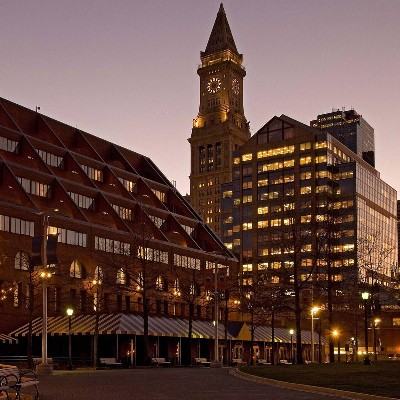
column 161, row 384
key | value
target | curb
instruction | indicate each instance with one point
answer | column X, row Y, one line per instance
column 306, row 388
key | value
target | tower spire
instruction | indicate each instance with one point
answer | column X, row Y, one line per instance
column 221, row 37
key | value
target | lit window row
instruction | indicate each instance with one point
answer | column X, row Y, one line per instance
column 8, row 145
column 123, row 212
column 111, row 246
column 51, row 159
column 68, row 236
column 157, row 220
column 82, row 201
column 186, row 262
column 128, row 185
column 275, row 152
column 16, row 225
column 161, row 195
column 93, row 173
column 35, row 188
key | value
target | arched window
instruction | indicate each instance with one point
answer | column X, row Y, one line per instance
column 98, row 274
column 160, row 283
column 192, row 289
column 121, row 276
column 22, row 261
column 75, row 270
column 177, row 289
column 139, row 285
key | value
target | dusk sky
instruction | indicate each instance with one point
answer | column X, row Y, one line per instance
column 125, row 70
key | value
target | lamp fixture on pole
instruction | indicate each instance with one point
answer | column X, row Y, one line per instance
column 365, row 296
column 70, row 313
column 313, row 311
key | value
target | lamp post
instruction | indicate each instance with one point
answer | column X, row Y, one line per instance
column 365, row 297
column 291, row 331
column 313, row 311
column 336, row 334
column 70, row 312
column 44, row 368
column 376, row 322
column 216, row 357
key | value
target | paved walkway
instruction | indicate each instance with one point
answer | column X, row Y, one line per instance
column 162, row 384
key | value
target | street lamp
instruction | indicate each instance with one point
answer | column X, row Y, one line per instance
column 70, row 312
column 365, row 297
column 313, row 311
column 291, row 331
column 216, row 357
column 376, row 322
column 336, row 334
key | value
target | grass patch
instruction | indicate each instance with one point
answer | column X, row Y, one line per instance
column 380, row 378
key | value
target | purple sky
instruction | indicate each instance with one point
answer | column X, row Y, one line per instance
column 126, row 70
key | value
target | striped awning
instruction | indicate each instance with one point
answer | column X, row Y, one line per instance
column 7, row 339
column 264, row 333
column 129, row 324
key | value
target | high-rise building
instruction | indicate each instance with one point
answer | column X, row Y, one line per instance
column 351, row 129
column 291, row 182
column 220, row 127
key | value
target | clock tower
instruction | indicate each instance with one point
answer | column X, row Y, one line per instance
column 220, row 127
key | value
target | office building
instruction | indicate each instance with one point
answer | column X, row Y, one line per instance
column 294, row 185
column 351, row 129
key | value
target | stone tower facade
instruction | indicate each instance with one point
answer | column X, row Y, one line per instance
column 220, row 127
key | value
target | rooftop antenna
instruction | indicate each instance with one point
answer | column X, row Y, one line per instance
column 37, row 108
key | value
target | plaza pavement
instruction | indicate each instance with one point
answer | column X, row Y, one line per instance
column 163, row 384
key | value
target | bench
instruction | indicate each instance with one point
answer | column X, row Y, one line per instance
column 238, row 362
column 110, row 362
column 38, row 360
column 202, row 361
column 286, row 362
column 160, row 362
column 261, row 361
column 13, row 379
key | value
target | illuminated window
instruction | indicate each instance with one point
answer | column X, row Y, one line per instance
column 262, row 182
column 247, row 226
column 236, row 160
column 275, row 222
column 247, row 157
column 305, row 190
column 305, row 146
column 247, row 185
column 160, row 283
column 262, row 224
column 21, row 261
column 306, row 248
column 321, row 145
column 276, row 250
column 305, row 175
column 288, row 221
column 121, row 277
column 305, row 218
column 262, row 210
column 247, row 199
column 247, row 267
column 227, row 194
column 75, row 269
column 288, row 206
column 262, row 266
column 276, row 265
column 305, row 160
column 320, row 159
column 288, row 163
column 275, row 279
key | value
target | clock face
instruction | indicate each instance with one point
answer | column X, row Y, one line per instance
column 213, row 85
column 235, row 86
